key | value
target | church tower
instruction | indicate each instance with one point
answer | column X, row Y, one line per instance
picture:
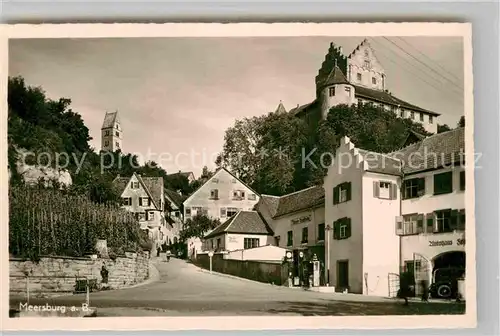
column 111, row 133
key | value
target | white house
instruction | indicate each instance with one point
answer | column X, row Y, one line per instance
column 220, row 197
column 388, row 211
column 244, row 230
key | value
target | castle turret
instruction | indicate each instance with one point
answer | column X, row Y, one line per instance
column 111, row 133
column 335, row 90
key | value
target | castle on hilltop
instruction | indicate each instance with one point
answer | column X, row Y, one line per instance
column 358, row 78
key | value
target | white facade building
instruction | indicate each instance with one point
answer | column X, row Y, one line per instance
column 220, row 197
column 399, row 211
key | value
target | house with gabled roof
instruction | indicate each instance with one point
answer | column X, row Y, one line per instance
column 358, row 78
column 401, row 211
column 298, row 222
column 220, row 197
column 173, row 215
column 144, row 196
column 246, row 229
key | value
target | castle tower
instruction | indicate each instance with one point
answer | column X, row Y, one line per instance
column 335, row 90
column 111, row 133
column 280, row 109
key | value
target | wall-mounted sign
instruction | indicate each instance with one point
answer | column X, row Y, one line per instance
column 458, row 242
column 301, row 219
column 233, row 239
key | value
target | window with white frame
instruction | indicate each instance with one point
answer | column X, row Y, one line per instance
column 343, row 230
column 141, row 216
column 238, row 194
column 421, row 116
column 188, row 212
column 412, row 115
column 410, row 224
column 106, row 143
column 348, row 90
column 252, row 197
column 343, row 194
column 134, row 185
column 384, row 189
column 107, row 132
column 358, row 77
column 430, row 119
column 223, row 212
column 127, row 201
column 374, row 80
column 250, row 242
column 151, row 215
column 443, row 221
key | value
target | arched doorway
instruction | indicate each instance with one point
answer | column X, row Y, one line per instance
column 447, row 268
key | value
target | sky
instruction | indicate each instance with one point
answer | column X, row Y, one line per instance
column 177, row 96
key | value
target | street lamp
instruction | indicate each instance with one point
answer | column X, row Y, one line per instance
column 328, row 228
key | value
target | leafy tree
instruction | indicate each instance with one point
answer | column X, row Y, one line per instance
column 241, row 151
column 461, row 122
column 197, row 226
column 443, row 128
column 274, row 146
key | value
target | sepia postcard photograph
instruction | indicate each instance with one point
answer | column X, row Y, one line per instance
column 238, row 176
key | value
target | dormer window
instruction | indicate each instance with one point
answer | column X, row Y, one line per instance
column 331, row 91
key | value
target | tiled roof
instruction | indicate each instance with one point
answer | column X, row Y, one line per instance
column 152, row 185
column 433, row 152
column 336, row 76
column 381, row 163
column 155, row 187
column 387, row 98
column 303, row 108
column 249, row 222
column 120, row 183
column 280, row 109
column 109, row 120
column 271, row 202
column 175, row 197
column 299, row 200
column 186, row 174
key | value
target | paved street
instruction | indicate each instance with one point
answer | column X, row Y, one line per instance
column 184, row 289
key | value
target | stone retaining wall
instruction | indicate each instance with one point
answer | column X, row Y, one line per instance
column 57, row 275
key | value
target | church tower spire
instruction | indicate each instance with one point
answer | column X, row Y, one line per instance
column 111, row 133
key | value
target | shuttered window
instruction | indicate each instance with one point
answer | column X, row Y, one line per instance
column 462, row 180
column 443, row 183
column 342, row 228
column 385, row 190
column 342, row 193
column 289, row 240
